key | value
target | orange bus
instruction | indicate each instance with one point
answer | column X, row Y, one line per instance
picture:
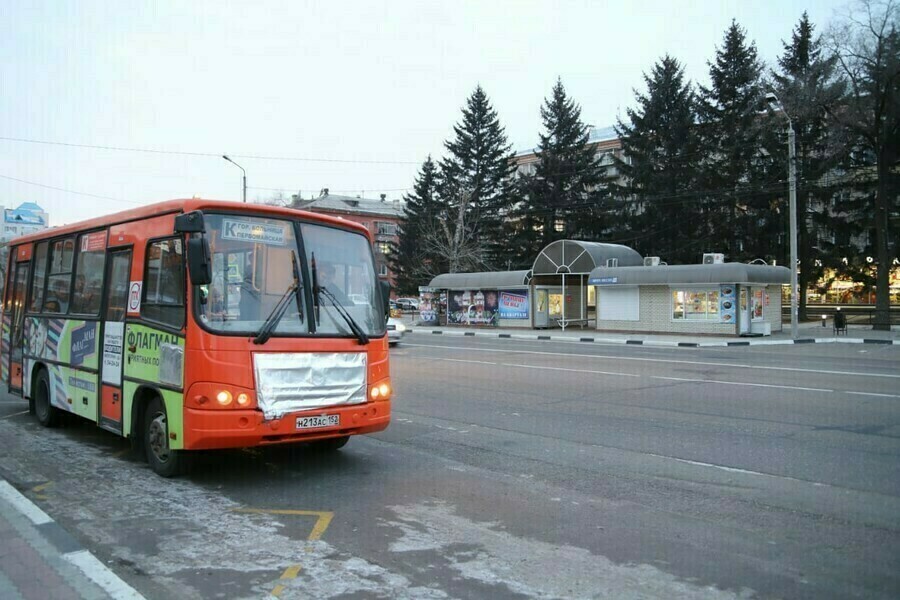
column 194, row 324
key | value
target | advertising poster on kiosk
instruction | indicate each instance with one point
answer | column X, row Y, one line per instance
column 513, row 304
column 727, row 303
column 428, row 306
column 472, row 307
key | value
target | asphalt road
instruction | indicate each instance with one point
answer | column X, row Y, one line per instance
column 520, row 469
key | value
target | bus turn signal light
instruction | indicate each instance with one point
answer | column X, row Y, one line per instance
column 224, row 397
column 243, row 399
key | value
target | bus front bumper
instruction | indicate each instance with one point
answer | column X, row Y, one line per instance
column 237, row 428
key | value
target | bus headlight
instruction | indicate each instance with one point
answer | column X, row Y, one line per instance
column 381, row 390
column 243, row 399
column 224, row 398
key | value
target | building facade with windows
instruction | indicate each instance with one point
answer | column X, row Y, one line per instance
column 381, row 217
column 27, row 218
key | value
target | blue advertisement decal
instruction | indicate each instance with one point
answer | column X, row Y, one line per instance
column 83, row 342
column 514, row 304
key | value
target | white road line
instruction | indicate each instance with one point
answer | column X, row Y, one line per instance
column 662, row 360
column 477, row 362
column 736, row 470
column 23, row 504
column 765, row 385
column 874, row 394
column 14, row 414
column 564, row 369
column 97, row 572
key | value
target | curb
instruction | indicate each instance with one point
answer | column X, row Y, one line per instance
column 655, row 343
column 69, row 548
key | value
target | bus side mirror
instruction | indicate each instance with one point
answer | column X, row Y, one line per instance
column 191, row 222
column 199, row 263
column 386, row 297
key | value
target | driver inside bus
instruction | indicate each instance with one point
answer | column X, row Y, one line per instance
column 327, row 280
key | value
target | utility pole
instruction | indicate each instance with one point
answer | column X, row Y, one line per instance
column 775, row 104
column 792, row 176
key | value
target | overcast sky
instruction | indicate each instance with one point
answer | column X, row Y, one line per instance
column 344, row 81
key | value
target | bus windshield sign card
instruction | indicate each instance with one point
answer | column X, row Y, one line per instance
column 249, row 231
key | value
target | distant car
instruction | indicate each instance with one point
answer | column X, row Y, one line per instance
column 408, row 304
column 395, row 329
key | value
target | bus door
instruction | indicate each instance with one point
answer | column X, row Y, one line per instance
column 114, row 308
column 16, row 307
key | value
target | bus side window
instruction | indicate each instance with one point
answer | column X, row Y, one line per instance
column 40, row 276
column 59, row 283
column 117, row 290
column 164, row 283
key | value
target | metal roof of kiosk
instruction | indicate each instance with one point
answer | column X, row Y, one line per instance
column 481, row 281
column 572, row 257
column 690, row 274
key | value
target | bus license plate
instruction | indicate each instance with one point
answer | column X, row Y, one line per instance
column 318, row 421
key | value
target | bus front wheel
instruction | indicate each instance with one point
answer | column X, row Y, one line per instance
column 331, row 444
column 47, row 414
column 162, row 459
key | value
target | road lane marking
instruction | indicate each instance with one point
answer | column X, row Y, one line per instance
column 662, row 360
column 323, row 520
column 564, row 369
column 874, row 394
column 38, row 490
column 698, row 463
column 765, row 385
column 14, row 414
column 666, row 378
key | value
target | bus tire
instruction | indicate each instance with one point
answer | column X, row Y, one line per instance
column 331, row 445
column 47, row 414
column 155, row 433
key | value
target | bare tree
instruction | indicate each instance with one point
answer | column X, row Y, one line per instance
column 279, row 198
column 867, row 45
column 453, row 237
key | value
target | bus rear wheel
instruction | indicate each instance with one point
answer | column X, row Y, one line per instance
column 162, row 459
column 47, row 414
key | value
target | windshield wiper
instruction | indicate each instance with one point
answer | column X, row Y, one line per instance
column 354, row 326
column 317, row 289
column 265, row 332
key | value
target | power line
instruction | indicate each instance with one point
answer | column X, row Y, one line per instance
column 283, row 189
column 68, row 191
column 210, row 154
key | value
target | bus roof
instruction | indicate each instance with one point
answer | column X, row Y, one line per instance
column 178, row 206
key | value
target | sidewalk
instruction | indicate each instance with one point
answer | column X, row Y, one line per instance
column 41, row 560
column 809, row 333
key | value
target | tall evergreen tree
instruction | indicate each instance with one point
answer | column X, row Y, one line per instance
column 562, row 197
column 478, row 166
column 411, row 263
column 660, row 158
column 738, row 210
column 868, row 49
column 807, row 86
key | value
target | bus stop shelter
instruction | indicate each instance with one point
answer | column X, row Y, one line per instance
column 560, row 274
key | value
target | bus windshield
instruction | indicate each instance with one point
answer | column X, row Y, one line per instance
column 252, row 270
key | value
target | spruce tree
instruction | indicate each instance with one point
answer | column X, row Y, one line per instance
column 808, row 88
column 562, row 197
column 661, row 144
column 478, row 164
column 411, row 263
column 738, row 215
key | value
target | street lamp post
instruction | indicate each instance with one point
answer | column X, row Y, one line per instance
column 225, row 156
column 773, row 101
